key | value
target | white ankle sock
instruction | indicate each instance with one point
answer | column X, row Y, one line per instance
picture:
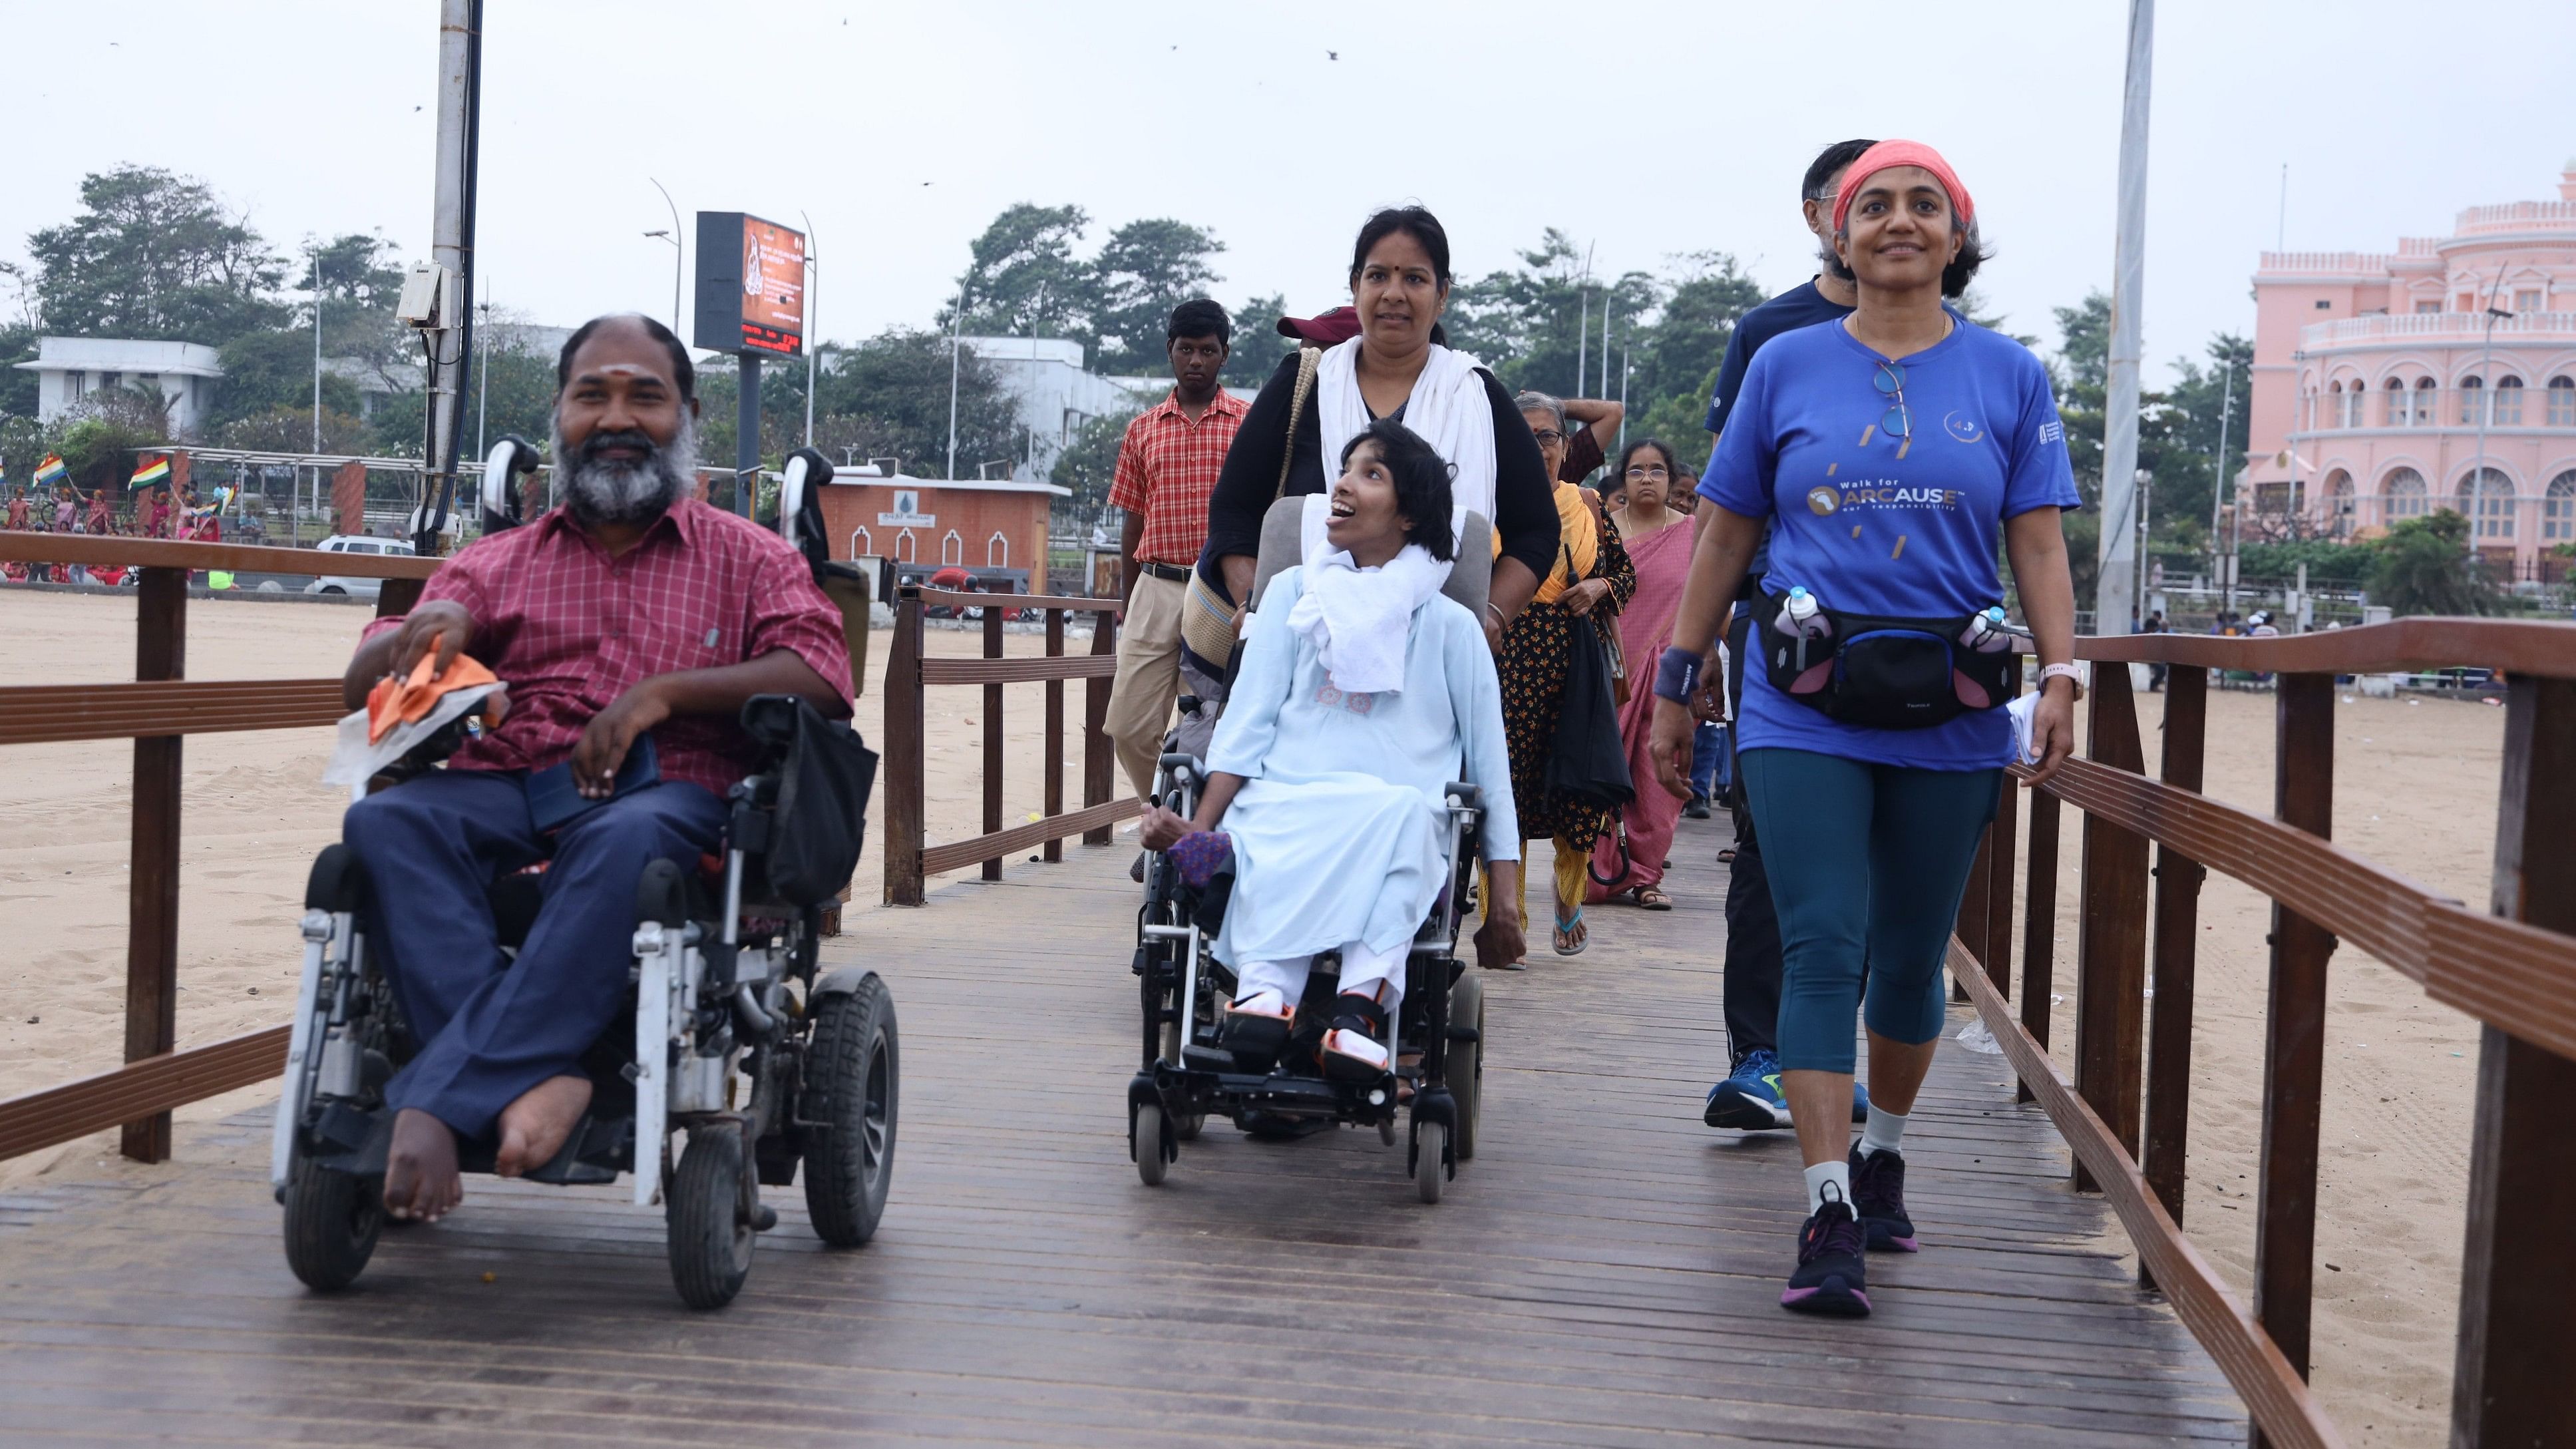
column 1883, row 1131
column 1837, row 1173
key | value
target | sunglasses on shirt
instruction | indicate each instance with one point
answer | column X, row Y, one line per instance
column 1890, row 380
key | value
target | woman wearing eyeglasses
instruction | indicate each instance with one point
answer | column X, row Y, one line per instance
column 1629, row 861
column 1894, row 451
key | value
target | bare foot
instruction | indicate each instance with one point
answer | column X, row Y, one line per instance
column 421, row 1181
column 534, row 1127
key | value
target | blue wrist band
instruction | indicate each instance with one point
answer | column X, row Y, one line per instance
column 1677, row 675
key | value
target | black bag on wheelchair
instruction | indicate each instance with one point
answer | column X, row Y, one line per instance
column 1881, row 671
column 825, row 774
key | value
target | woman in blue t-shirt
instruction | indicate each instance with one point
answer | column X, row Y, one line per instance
column 1894, row 449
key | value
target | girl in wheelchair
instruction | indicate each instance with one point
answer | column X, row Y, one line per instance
column 1361, row 692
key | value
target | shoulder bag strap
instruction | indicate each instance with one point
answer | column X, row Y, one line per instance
column 1307, row 360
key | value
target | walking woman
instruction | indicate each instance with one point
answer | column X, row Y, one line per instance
column 1590, row 577
column 1629, row 861
column 1893, row 451
column 1308, row 412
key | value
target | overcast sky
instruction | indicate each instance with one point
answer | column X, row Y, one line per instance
column 1648, row 128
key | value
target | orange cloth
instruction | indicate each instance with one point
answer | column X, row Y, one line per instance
column 391, row 702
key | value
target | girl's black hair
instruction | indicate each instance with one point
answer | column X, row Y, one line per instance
column 1421, row 483
column 1415, row 222
column 1672, row 465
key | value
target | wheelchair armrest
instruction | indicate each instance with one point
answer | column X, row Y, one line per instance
column 1175, row 760
column 1463, row 796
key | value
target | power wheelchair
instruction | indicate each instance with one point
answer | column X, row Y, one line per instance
column 1188, row 1074
column 734, row 1036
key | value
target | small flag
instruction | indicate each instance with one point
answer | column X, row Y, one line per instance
column 156, row 470
column 51, row 473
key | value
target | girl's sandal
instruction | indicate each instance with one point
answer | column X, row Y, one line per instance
column 1652, row 898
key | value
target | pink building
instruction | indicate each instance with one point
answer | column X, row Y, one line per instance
column 2373, row 373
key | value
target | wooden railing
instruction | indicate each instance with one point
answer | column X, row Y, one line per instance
column 156, row 711
column 909, row 857
column 2126, row 1115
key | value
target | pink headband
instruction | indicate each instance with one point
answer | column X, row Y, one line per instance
column 1902, row 153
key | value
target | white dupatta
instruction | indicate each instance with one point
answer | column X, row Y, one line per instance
column 1449, row 408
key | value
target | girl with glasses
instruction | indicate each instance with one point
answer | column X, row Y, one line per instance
column 1897, row 450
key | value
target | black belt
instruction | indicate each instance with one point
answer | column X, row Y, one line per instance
column 1173, row 573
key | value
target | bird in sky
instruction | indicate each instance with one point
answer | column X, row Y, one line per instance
column 1332, row 55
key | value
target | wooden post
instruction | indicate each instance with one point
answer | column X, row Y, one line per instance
column 1999, row 887
column 904, row 764
column 2511, row 1385
column 2039, row 932
column 2178, row 879
column 2294, row 1043
column 1055, row 732
column 2111, row 939
column 1098, row 760
column 992, row 738
column 152, row 902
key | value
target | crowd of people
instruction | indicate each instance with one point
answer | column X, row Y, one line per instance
column 153, row 513
column 1811, row 633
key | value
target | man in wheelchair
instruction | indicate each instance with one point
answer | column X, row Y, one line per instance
column 631, row 625
column 1361, row 692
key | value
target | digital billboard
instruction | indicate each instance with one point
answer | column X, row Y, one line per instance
column 751, row 285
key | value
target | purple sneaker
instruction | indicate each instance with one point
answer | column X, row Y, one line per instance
column 1878, row 1195
column 1830, row 1274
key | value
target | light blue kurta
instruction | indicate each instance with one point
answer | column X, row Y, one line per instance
column 1339, row 826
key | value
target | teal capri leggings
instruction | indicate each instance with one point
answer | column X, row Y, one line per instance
column 1867, row 863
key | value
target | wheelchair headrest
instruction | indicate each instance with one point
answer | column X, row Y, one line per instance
column 1281, row 547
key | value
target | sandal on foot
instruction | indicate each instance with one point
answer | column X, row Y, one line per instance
column 1352, row 1051
column 1652, row 898
column 1257, row 1026
column 1565, row 929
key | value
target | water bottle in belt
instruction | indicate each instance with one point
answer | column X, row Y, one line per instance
column 1986, row 632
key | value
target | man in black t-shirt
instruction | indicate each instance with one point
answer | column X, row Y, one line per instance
column 1750, row 1096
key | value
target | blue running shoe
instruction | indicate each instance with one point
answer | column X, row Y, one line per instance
column 1749, row 1100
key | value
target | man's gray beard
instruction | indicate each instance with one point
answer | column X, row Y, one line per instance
column 605, row 491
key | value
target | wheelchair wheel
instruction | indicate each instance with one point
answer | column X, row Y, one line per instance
column 332, row 1220
column 1145, row 1144
column 1465, row 1062
column 1430, row 1172
column 852, row 1085
column 1185, row 1129
column 710, row 1241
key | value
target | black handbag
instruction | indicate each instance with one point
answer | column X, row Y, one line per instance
column 1587, row 761
column 825, row 774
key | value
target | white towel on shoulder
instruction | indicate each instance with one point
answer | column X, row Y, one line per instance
column 1360, row 619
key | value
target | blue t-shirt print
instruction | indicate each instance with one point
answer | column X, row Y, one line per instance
column 1878, row 524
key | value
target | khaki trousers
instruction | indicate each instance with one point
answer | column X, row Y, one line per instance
column 1148, row 679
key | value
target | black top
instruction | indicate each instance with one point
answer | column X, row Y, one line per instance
column 1524, row 498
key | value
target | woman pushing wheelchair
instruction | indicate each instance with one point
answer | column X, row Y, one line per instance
column 1362, row 693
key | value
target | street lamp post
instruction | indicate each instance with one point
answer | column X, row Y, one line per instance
column 313, row 259
column 813, row 348
column 2486, row 410
column 673, row 237
column 956, row 341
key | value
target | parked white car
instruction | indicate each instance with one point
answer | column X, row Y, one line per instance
column 350, row 543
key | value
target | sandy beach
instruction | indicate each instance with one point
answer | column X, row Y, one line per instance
column 2415, row 790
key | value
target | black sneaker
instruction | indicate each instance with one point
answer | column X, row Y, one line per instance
column 1830, row 1277
column 1878, row 1195
column 1697, row 809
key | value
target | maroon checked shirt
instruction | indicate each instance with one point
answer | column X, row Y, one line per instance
column 569, row 629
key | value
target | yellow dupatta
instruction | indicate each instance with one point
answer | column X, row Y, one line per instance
column 1581, row 540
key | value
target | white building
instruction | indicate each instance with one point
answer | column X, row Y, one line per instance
column 1054, row 396
column 69, row 369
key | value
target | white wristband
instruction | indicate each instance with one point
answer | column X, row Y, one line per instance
column 2068, row 672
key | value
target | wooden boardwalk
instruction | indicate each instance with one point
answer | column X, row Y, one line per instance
column 1606, row 1272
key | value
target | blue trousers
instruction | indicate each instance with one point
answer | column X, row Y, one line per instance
column 1867, row 865
column 1709, row 777
column 490, row 1028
